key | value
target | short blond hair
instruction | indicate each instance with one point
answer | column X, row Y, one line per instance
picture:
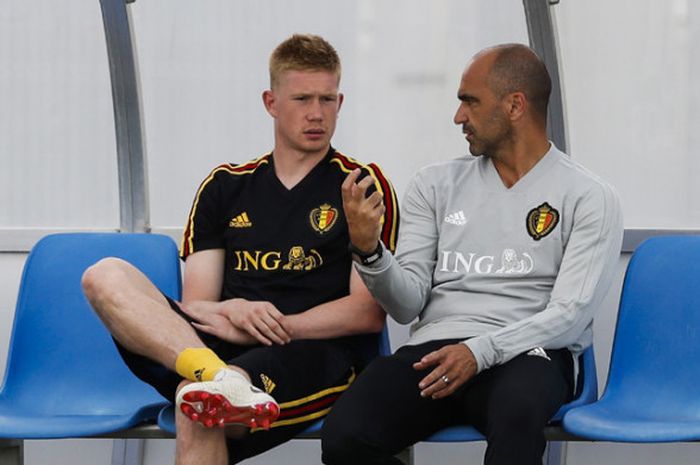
column 303, row 52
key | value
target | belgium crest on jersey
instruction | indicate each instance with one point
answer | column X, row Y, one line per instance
column 541, row 221
column 323, row 218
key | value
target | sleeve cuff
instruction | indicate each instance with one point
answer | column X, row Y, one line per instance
column 485, row 354
column 378, row 266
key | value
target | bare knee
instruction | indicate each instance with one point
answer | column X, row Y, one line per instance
column 104, row 279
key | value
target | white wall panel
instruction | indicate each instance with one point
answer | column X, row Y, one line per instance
column 630, row 72
column 57, row 150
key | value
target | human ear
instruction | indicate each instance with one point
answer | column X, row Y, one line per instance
column 516, row 105
column 341, row 97
column 268, row 98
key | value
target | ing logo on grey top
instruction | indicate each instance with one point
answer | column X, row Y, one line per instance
column 511, row 263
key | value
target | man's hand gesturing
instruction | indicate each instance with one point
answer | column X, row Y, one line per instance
column 363, row 213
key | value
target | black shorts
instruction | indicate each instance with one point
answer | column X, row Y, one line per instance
column 305, row 377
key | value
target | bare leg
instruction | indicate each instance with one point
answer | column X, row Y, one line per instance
column 136, row 313
column 140, row 318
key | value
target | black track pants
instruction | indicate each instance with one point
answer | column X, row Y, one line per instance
column 382, row 413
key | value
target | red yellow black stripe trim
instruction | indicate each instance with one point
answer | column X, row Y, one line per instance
column 319, row 394
column 311, row 407
column 391, row 216
column 346, row 164
column 187, row 244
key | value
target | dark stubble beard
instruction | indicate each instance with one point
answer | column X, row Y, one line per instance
column 489, row 146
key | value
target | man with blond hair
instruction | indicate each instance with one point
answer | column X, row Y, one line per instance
column 272, row 314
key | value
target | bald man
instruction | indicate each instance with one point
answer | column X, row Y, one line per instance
column 502, row 260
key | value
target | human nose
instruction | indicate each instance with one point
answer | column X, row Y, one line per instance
column 460, row 115
column 315, row 113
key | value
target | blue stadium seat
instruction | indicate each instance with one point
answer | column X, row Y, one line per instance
column 652, row 392
column 64, row 376
column 588, row 392
column 166, row 417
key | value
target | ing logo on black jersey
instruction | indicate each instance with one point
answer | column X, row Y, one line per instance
column 297, row 259
column 323, row 218
column 300, row 260
column 541, row 221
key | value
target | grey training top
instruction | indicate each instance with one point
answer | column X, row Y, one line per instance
column 509, row 269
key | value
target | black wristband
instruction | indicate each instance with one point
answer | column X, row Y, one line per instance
column 364, row 257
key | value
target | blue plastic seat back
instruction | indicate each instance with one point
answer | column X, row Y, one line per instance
column 62, row 360
column 653, row 368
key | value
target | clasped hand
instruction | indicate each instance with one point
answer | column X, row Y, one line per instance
column 241, row 321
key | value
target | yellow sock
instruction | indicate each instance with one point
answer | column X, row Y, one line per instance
column 198, row 364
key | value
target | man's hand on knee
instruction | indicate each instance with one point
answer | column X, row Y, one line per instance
column 453, row 366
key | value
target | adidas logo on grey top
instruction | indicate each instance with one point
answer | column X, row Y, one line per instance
column 456, row 218
column 539, row 352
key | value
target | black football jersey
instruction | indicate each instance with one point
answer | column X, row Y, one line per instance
column 285, row 246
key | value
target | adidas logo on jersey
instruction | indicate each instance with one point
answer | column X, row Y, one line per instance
column 456, row 218
column 241, row 221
